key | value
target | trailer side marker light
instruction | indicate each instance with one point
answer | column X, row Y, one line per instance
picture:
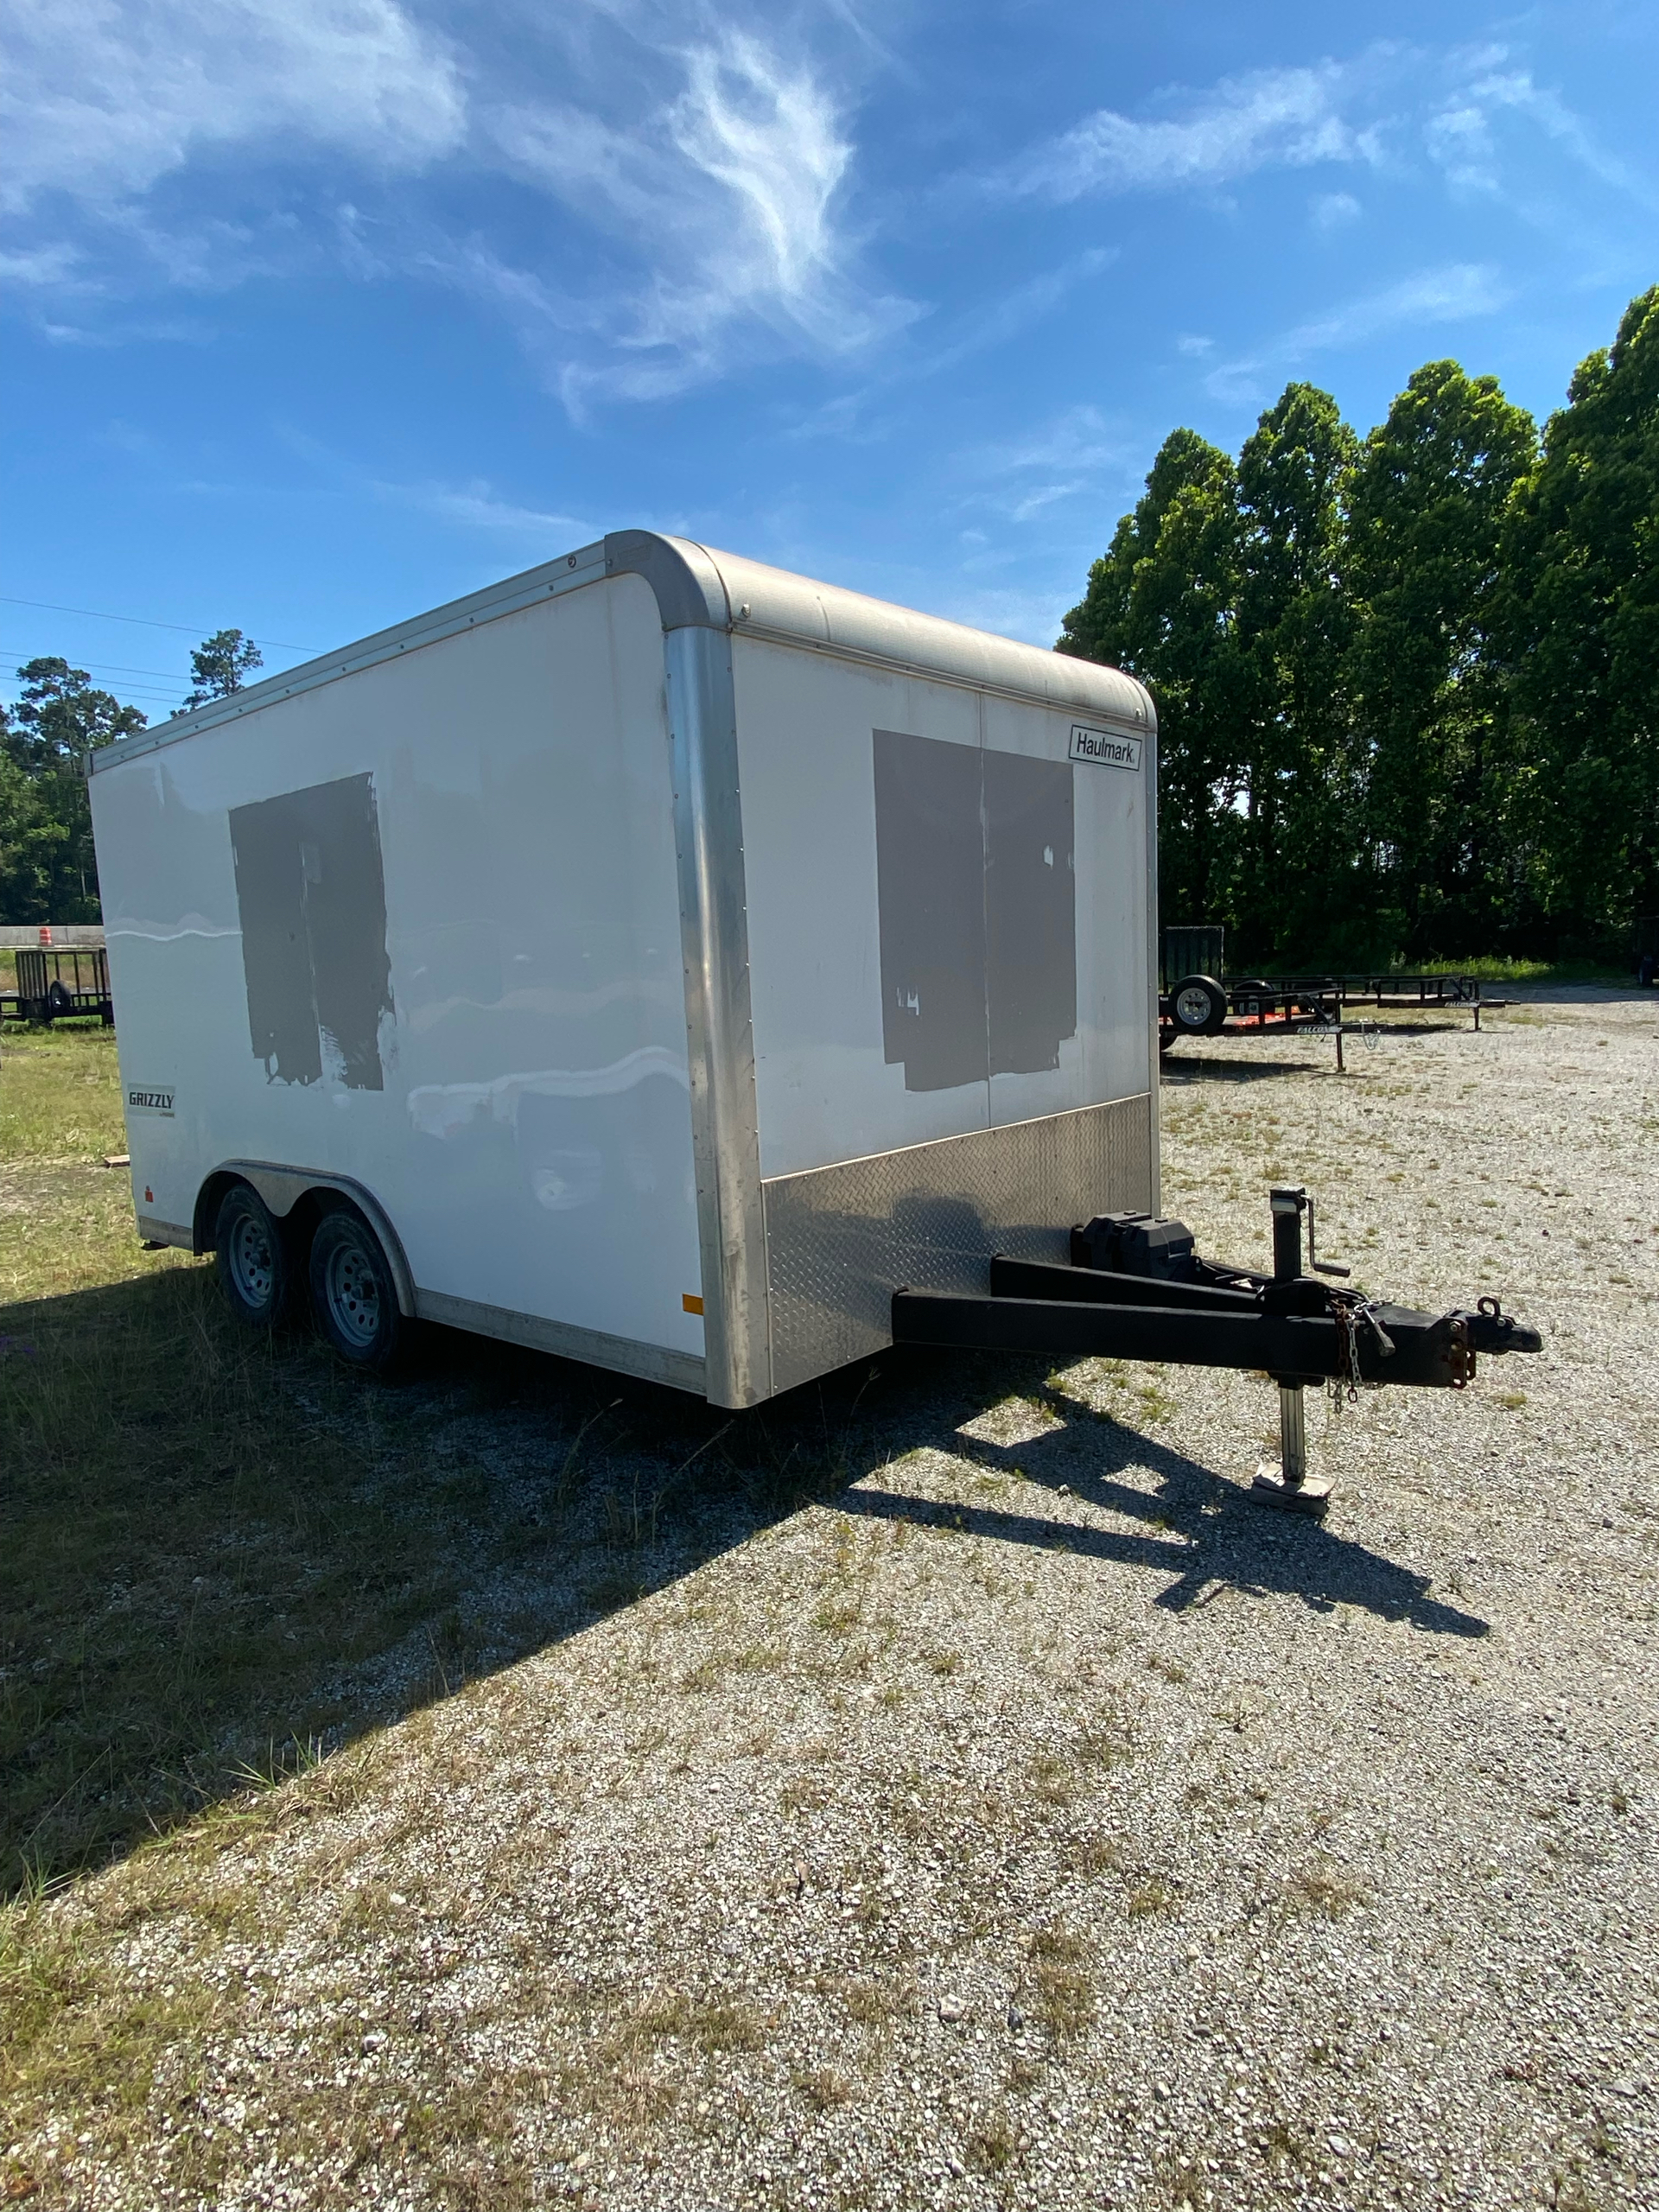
column 691, row 1303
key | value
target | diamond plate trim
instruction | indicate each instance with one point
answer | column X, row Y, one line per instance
column 840, row 1240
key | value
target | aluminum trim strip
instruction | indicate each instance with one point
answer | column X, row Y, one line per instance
column 715, row 943
column 680, row 1370
column 165, row 1232
column 1154, row 1057
column 925, row 672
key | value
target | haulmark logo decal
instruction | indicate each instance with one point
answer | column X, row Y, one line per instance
column 150, row 1101
column 1105, row 749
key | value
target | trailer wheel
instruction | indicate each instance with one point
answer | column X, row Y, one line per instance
column 1199, row 1006
column 352, row 1294
column 252, row 1255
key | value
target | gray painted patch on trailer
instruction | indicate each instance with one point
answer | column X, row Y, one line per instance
column 976, row 910
column 1030, row 908
column 311, row 895
column 929, row 863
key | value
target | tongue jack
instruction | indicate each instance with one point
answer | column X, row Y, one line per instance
column 1286, row 1482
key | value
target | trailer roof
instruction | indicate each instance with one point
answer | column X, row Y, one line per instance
column 698, row 587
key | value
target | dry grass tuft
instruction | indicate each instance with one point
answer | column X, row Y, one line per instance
column 1062, row 1990
column 1323, row 1888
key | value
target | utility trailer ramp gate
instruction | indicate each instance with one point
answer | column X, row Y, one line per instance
column 668, row 958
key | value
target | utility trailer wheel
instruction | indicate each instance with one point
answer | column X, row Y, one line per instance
column 352, row 1294
column 250, row 1252
column 1198, row 1006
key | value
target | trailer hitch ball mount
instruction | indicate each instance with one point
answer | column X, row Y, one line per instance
column 1137, row 1288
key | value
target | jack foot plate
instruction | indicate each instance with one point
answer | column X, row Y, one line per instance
column 1312, row 1496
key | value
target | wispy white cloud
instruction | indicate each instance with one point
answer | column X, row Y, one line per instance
column 695, row 172
column 723, row 197
column 476, row 505
column 1456, row 293
column 1075, row 452
column 1269, row 118
column 98, row 102
column 1389, row 108
column 857, row 417
column 1335, row 210
column 1462, row 138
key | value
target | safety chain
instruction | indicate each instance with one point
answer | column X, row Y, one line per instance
column 1348, row 1310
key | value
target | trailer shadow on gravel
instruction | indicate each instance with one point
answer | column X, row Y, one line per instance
column 1198, row 1526
column 226, row 1556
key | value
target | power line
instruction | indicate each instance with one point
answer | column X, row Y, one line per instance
column 121, row 668
column 142, row 621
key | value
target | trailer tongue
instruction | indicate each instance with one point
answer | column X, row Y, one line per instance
column 1137, row 1289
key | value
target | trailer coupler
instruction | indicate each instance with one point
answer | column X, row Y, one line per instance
column 1137, row 1289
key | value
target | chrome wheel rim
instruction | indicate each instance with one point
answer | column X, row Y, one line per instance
column 353, row 1289
column 253, row 1264
column 1192, row 1008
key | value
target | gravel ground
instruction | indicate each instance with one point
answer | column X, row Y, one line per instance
column 1028, row 1819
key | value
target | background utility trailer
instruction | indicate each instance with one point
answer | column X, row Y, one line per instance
column 665, row 956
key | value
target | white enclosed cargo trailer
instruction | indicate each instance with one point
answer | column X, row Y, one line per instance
column 656, row 958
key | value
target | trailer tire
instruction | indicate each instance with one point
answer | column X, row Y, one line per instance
column 354, row 1296
column 60, row 999
column 1198, row 1006
column 253, row 1259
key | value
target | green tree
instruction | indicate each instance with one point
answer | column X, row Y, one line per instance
column 48, row 869
column 219, row 664
column 1426, row 516
column 1163, row 603
column 1297, row 885
column 1582, row 568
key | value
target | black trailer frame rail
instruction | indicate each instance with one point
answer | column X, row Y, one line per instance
column 1136, row 1289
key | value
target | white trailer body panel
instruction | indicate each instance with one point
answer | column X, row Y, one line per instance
column 807, row 728
column 523, row 1114
column 672, row 956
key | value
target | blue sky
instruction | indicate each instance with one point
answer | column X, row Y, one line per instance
column 320, row 312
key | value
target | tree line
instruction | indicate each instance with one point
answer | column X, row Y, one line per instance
column 48, row 869
column 1408, row 683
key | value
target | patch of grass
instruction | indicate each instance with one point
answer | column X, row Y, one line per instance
column 76, row 2034
column 61, row 1097
column 989, row 2143
column 825, row 2087
column 1153, row 1895
column 1096, row 1854
column 1323, row 1888
column 707, row 2024
column 872, row 2004
column 1062, row 1990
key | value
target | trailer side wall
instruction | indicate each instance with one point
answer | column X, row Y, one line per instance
column 418, row 929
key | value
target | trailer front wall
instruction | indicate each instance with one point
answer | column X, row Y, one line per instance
column 418, row 927
column 950, row 982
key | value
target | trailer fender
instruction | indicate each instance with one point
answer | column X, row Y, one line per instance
column 282, row 1189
